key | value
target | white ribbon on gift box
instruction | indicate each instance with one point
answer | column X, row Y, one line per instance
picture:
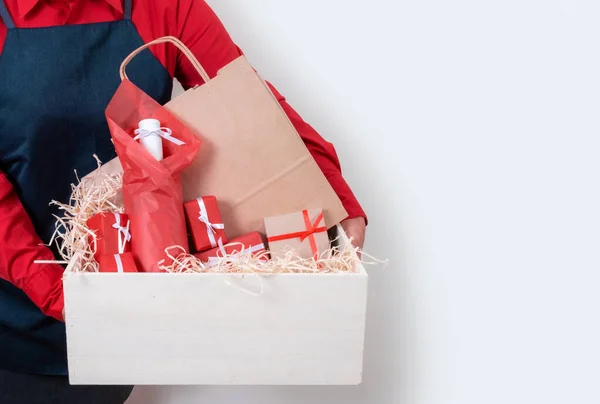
column 212, row 261
column 165, row 133
column 123, row 235
column 119, row 263
column 211, row 228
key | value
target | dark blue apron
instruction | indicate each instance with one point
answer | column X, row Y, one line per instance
column 55, row 84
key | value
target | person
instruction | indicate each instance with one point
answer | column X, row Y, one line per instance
column 59, row 63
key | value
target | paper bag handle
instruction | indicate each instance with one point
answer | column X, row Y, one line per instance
column 166, row 39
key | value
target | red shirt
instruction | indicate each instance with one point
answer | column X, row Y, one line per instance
column 200, row 29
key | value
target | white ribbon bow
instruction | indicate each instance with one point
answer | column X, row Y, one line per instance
column 211, row 228
column 123, row 236
column 165, row 133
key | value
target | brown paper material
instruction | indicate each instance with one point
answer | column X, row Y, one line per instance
column 302, row 232
column 252, row 158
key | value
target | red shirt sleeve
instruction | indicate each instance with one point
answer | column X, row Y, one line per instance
column 20, row 248
column 202, row 31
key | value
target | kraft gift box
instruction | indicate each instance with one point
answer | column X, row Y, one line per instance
column 303, row 232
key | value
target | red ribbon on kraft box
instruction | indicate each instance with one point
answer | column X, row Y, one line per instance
column 315, row 231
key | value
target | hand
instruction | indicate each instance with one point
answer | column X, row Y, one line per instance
column 355, row 228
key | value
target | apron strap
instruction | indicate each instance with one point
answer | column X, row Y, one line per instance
column 5, row 15
column 127, row 9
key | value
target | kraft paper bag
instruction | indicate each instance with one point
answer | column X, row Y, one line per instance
column 252, row 158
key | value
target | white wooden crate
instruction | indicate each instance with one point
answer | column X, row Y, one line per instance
column 198, row 329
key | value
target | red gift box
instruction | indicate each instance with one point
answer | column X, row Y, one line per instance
column 251, row 243
column 112, row 233
column 205, row 222
column 118, row 263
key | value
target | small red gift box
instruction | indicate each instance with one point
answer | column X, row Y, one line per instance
column 112, row 233
column 249, row 244
column 205, row 222
column 118, row 263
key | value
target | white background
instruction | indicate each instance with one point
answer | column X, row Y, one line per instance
column 470, row 132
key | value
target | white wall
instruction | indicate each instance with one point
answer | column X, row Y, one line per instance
column 470, row 132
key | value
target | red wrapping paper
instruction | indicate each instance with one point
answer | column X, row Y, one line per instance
column 152, row 192
column 251, row 243
column 111, row 233
column 205, row 223
column 121, row 263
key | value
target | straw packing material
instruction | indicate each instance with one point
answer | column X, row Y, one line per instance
column 101, row 192
column 98, row 192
